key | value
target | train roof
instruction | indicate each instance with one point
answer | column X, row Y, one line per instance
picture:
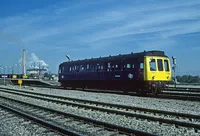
column 121, row 56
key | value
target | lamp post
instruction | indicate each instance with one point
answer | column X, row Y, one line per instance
column 4, row 77
column 39, row 65
column 9, row 69
column 1, row 69
column 5, row 69
column 15, row 69
column 19, row 67
column 174, row 68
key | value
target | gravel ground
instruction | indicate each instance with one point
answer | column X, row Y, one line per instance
column 145, row 125
column 171, row 117
column 153, row 103
column 13, row 125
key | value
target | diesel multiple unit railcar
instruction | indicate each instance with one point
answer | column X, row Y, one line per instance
column 141, row 72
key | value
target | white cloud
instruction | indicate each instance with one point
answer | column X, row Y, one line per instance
column 33, row 61
column 183, row 29
column 165, row 18
column 150, row 23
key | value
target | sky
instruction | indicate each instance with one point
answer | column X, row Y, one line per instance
column 51, row 29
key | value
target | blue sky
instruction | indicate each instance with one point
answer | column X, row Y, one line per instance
column 50, row 29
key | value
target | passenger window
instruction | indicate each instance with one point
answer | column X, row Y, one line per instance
column 152, row 65
column 88, row 66
column 133, row 66
column 166, row 65
column 109, row 67
column 82, row 68
column 128, row 66
column 141, row 65
column 70, row 69
column 160, row 64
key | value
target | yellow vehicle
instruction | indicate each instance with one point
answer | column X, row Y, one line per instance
column 157, row 68
column 157, row 71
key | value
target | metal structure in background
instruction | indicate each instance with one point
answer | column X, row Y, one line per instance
column 174, row 69
column 24, row 62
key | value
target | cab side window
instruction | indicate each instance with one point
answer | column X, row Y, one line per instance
column 160, row 65
column 152, row 64
column 166, row 63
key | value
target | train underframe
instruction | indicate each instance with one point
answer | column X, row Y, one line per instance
column 138, row 86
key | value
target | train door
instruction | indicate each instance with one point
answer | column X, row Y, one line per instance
column 61, row 72
column 100, row 71
column 116, row 70
column 108, row 70
column 141, row 70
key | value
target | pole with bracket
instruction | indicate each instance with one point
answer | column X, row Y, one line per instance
column 174, row 68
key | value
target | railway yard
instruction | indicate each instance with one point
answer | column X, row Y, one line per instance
column 100, row 68
column 56, row 111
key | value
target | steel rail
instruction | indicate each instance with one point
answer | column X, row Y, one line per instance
column 178, row 97
column 109, row 126
column 50, row 125
column 179, row 115
column 159, row 96
column 182, row 94
column 106, row 104
column 183, row 89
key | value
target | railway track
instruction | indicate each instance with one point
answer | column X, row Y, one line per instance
column 194, row 95
column 65, row 123
column 190, row 94
column 172, row 118
column 183, row 93
column 12, row 120
column 179, row 96
column 193, row 90
column 51, row 127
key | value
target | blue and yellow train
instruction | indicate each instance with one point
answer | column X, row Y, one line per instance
column 143, row 72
